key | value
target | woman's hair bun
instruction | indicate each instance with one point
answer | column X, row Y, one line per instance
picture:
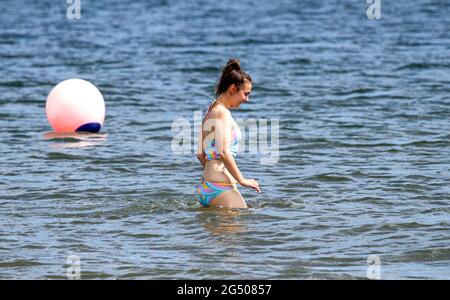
column 233, row 64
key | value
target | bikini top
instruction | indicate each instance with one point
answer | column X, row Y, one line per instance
column 211, row 151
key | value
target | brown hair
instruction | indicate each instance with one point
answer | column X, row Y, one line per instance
column 231, row 74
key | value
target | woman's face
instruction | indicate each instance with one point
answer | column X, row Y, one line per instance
column 242, row 95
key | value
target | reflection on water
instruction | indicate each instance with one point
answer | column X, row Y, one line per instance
column 74, row 139
column 221, row 221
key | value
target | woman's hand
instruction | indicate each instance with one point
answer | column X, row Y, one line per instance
column 251, row 183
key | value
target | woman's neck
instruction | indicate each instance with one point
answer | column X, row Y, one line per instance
column 224, row 100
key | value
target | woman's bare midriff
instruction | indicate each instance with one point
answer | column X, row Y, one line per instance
column 215, row 171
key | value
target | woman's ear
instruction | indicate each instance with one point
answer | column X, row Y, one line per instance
column 232, row 89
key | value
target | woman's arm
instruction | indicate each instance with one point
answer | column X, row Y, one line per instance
column 223, row 137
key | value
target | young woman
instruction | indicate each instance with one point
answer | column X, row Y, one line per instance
column 218, row 142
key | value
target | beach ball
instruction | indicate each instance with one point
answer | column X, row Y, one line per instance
column 75, row 105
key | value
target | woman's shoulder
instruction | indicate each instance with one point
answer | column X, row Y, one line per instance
column 218, row 111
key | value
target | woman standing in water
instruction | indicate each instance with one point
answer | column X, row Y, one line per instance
column 219, row 139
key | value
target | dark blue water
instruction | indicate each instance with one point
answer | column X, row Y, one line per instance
column 364, row 113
